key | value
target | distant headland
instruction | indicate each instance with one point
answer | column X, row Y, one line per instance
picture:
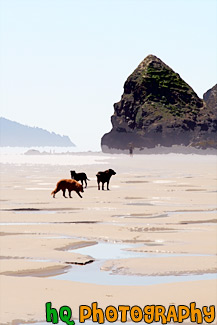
column 13, row 134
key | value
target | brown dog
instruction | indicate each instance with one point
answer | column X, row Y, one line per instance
column 68, row 184
column 104, row 177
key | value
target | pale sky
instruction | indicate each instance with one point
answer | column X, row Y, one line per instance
column 63, row 63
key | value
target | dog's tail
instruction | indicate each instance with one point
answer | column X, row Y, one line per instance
column 53, row 192
column 88, row 179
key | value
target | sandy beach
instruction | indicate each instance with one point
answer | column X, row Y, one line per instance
column 157, row 225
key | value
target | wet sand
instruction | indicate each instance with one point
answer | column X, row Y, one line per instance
column 164, row 204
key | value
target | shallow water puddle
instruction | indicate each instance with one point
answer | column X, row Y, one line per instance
column 213, row 213
column 46, row 210
column 140, row 216
column 164, row 215
column 34, row 212
column 91, row 273
column 110, row 250
column 171, row 213
column 45, row 223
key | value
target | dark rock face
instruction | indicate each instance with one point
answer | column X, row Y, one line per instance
column 159, row 108
column 210, row 98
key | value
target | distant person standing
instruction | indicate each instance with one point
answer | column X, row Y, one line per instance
column 131, row 149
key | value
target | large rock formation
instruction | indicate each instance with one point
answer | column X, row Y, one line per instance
column 158, row 108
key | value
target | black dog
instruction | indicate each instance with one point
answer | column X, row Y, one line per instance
column 79, row 177
column 104, row 177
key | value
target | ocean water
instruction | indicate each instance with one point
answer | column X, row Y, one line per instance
column 75, row 156
column 49, row 150
column 51, row 156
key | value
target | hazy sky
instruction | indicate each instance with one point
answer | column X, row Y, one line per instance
column 63, row 63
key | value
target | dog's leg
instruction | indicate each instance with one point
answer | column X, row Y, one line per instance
column 70, row 194
column 85, row 182
column 102, row 186
column 78, row 194
column 107, row 186
column 98, row 185
column 64, row 193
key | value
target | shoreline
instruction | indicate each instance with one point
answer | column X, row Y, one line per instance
column 158, row 150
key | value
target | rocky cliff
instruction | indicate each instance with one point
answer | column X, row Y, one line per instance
column 158, row 108
column 210, row 98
